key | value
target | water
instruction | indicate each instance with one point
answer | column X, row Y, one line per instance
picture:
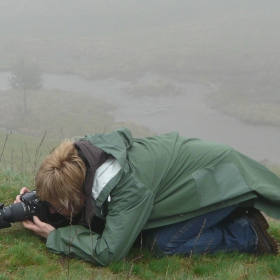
column 189, row 113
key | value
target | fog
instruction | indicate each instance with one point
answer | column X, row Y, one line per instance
column 207, row 69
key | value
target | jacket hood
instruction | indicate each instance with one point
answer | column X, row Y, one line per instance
column 113, row 143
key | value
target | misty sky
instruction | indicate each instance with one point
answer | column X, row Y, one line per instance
column 207, row 49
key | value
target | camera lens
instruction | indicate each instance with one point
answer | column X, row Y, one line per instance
column 16, row 212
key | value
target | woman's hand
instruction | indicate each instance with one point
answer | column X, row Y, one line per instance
column 39, row 228
column 21, row 192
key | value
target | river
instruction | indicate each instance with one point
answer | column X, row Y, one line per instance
column 189, row 113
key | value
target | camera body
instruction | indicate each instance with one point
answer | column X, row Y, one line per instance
column 29, row 206
column 33, row 207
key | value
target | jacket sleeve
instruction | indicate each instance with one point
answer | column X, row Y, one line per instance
column 128, row 212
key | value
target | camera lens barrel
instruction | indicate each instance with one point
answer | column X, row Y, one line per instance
column 16, row 212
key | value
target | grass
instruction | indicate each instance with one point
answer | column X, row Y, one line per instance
column 249, row 107
column 24, row 255
column 18, row 152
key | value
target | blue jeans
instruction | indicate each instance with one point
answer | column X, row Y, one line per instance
column 208, row 233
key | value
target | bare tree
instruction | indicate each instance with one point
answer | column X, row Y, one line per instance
column 25, row 77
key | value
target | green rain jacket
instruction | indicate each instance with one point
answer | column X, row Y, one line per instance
column 163, row 180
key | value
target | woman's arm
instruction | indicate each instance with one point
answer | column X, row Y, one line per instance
column 128, row 212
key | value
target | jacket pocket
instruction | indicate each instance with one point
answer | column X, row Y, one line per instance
column 220, row 183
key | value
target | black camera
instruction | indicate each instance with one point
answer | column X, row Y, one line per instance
column 29, row 206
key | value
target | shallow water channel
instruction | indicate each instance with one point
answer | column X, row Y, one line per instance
column 189, row 113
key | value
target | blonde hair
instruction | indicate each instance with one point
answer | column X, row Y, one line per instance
column 61, row 176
